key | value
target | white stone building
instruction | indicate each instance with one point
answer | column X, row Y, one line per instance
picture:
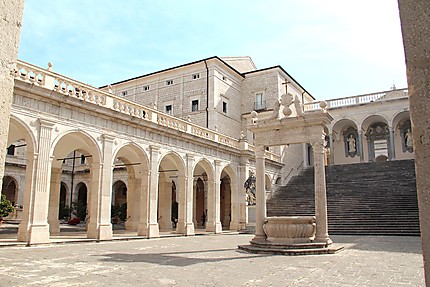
column 174, row 137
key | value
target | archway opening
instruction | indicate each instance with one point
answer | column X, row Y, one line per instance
column 10, row 189
column 225, row 202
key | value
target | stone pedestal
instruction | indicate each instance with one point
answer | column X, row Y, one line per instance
column 290, row 229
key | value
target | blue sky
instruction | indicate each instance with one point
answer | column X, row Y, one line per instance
column 333, row 48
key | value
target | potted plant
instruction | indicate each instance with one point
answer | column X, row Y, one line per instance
column 6, row 207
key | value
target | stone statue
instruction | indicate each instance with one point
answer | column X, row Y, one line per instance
column 298, row 106
column 408, row 138
column 275, row 113
column 351, row 144
column 250, row 189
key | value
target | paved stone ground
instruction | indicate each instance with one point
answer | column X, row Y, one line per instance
column 212, row 260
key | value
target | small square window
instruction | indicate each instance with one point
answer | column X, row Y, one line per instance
column 195, row 76
column 224, row 78
column 124, row 93
column 169, row 109
column 224, row 107
column 11, row 150
column 169, row 82
column 194, row 105
column 146, row 88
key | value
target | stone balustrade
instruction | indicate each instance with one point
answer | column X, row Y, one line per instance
column 50, row 80
column 350, row 101
column 290, row 229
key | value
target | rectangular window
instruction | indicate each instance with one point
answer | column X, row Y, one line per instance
column 146, row 88
column 194, row 105
column 124, row 93
column 195, row 76
column 224, row 107
column 82, row 159
column 169, row 82
column 169, row 109
column 260, row 103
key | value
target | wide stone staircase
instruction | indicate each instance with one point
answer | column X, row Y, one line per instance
column 377, row 198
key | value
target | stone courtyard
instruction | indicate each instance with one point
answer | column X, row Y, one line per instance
column 212, row 260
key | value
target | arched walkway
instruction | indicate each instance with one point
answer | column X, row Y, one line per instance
column 172, row 190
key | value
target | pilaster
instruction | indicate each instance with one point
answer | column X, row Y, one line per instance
column 213, row 223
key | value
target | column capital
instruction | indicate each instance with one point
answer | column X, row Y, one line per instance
column 318, row 145
column 154, row 148
column 190, row 156
column 107, row 137
column 46, row 123
column 260, row 151
column 217, row 162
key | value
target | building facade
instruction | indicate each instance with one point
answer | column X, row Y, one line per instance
column 173, row 145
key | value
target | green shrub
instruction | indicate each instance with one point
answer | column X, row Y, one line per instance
column 6, row 206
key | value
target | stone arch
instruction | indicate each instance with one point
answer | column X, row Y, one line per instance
column 10, row 189
column 134, row 160
column 203, row 176
column 377, row 135
column 20, row 130
column 346, row 143
column 171, row 196
column 402, row 135
column 67, row 149
column 228, row 197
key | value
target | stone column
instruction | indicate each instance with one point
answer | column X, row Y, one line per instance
column 133, row 202
column 243, row 172
column 143, row 227
column 10, row 28
column 360, row 145
column 214, row 201
column 34, row 228
column 415, row 21
column 164, row 203
column 330, row 138
column 392, row 150
column 152, row 229
column 189, row 192
column 237, row 201
column 305, row 155
column 320, row 193
column 260, row 214
column 100, row 226
column 54, row 201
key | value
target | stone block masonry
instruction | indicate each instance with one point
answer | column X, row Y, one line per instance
column 10, row 27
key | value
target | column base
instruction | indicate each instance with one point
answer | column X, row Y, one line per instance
column 131, row 225
column 214, row 227
column 148, row 230
column 54, row 227
column 99, row 232
column 186, row 229
column 259, row 238
column 237, row 226
column 324, row 239
column 33, row 234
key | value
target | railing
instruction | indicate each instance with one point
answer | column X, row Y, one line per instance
column 351, row 101
column 50, row 80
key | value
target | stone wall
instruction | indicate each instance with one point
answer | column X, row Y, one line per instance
column 10, row 28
